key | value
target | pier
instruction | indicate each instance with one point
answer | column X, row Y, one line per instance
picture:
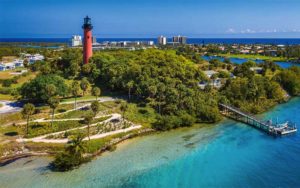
column 266, row 126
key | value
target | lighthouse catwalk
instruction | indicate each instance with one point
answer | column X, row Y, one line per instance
column 87, row 43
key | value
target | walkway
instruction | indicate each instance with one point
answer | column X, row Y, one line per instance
column 97, row 136
column 268, row 126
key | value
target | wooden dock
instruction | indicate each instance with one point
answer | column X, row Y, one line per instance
column 266, row 126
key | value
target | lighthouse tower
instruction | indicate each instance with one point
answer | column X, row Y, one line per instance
column 87, row 41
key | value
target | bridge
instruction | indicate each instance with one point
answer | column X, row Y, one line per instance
column 268, row 126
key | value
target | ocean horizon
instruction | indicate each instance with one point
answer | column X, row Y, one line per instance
column 271, row 41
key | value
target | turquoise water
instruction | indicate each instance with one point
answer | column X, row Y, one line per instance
column 229, row 154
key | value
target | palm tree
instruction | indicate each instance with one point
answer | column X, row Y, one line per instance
column 88, row 120
column 84, row 85
column 75, row 91
column 53, row 103
column 123, row 108
column 76, row 146
column 129, row 86
column 96, row 91
column 95, row 106
column 28, row 110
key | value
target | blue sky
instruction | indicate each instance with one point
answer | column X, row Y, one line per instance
column 145, row 18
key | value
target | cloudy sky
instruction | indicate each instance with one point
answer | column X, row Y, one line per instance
column 149, row 18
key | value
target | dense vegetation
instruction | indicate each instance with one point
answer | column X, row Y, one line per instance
column 37, row 89
column 166, row 80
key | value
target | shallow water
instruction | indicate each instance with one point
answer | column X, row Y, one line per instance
column 229, row 154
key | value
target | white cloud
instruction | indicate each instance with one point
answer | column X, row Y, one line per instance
column 248, row 31
column 252, row 31
column 230, row 30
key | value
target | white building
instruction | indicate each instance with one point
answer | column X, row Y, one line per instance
column 161, row 40
column 9, row 66
column 76, row 40
column 179, row 39
column 209, row 73
column 35, row 57
column 19, row 62
column 216, row 83
column 150, row 43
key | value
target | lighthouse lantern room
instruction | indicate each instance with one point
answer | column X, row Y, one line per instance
column 87, row 43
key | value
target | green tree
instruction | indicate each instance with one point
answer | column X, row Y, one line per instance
column 123, row 108
column 88, row 120
column 129, row 86
column 84, row 85
column 36, row 89
column 95, row 106
column 75, row 91
column 50, row 90
column 72, row 155
column 96, row 92
column 76, row 145
column 27, row 111
column 53, row 103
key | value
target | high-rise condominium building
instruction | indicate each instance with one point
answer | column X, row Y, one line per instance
column 161, row 40
column 179, row 39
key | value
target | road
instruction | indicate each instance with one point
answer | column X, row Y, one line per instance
column 14, row 106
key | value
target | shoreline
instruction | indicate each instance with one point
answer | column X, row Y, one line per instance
column 143, row 132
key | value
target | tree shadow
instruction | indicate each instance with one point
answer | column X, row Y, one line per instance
column 13, row 133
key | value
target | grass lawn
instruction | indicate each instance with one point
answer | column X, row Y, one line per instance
column 10, row 118
column 97, row 144
column 6, row 74
column 21, row 80
column 73, row 114
column 46, row 147
column 250, row 56
column 6, row 97
column 37, row 129
column 71, row 99
column 140, row 115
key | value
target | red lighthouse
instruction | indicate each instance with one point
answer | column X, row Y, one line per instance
column 87, row 40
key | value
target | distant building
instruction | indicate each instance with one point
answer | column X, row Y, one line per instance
column 161, row 40
column 94, row 40
column 179, row 39
column 150, row 43
column 36, row 57
column 2, row 67
column 9, row 66
column 76, row 40
column 19, row 62
column 209, row 73
column 257, row 70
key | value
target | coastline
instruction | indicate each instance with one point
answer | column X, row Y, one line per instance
column 12, row 158
column 114, row 142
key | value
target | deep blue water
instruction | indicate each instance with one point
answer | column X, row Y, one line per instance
column 229, row 154
column 275, row 41
column 243, row 60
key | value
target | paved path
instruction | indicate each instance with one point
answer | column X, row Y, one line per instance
column 100, row 99
column 97, row 136
column 14, row 106
column 10, row 106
